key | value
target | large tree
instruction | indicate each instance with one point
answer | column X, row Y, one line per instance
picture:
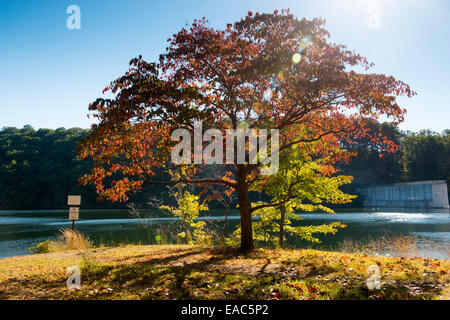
column 272, row 71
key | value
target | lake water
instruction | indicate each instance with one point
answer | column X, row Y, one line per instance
column 20, row 230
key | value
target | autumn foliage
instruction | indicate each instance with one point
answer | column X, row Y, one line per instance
column 273, row 71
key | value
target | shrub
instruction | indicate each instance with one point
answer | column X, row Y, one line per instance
column 42, row 247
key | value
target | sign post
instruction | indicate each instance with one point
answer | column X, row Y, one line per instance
column 74, row 203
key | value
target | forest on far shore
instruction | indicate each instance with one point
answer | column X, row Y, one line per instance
column 39, row 168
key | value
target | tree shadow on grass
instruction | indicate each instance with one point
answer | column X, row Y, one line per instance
column 177, row 254
column 358, row 290
column 169, row 253
column 150, row 279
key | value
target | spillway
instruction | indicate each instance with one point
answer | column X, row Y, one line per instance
column 420, row 194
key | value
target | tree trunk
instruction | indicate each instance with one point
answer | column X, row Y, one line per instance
column 283, row 213
column 246, row 227
column 246, row 217
column 227, row 209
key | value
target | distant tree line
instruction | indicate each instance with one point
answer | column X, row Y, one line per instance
column 39, row 168
column 423, row 155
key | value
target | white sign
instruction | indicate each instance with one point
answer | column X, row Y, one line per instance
column 74, row 213
column 74, row 200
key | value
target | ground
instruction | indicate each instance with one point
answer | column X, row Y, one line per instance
column 192, row 272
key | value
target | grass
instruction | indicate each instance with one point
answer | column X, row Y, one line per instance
column 193, row 272
column 67, row 240
column 395, row 245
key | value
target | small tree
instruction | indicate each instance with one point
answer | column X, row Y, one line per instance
column 187, row 211
column 304, row 182
column 274, row 224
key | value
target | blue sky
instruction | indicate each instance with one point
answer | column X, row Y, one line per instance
column 49, row 73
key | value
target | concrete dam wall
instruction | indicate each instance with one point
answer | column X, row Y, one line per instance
column 422, row 194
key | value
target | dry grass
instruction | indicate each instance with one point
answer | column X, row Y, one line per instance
column 74, row 240
column 67, row 240
column 446, row 250
column 394, row 245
